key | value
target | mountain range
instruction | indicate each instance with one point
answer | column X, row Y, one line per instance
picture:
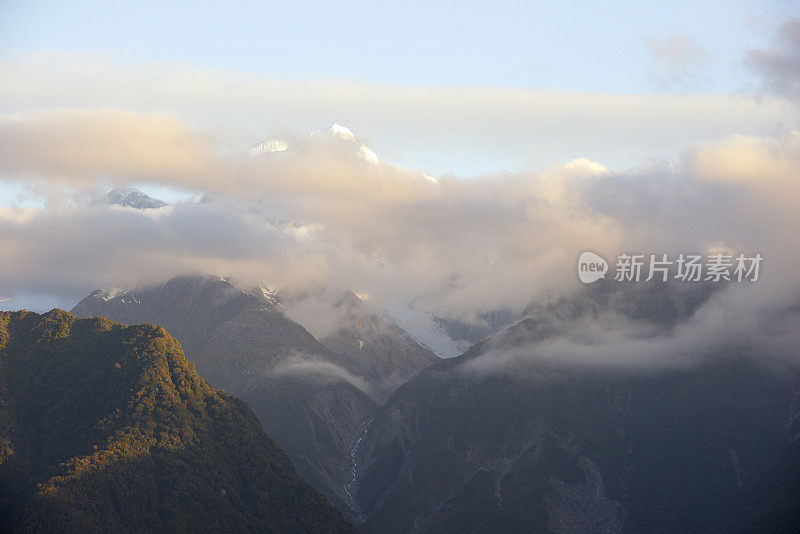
column 473, row 445
column 312, row 399
column 497, row 439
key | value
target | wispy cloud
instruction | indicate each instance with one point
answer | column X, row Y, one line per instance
column 311, row 369
column 434, row 129
column 678, row 59
column 779, row 66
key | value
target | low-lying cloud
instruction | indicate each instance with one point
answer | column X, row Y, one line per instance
column 320, row 371
column 729, row 325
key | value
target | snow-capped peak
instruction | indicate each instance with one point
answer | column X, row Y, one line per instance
column 341, row 131
column 344, row 133
column 335, row 130
column 132, row 198
column 273, row 145
column 110, row 292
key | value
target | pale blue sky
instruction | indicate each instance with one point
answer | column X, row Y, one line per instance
column 587, row 46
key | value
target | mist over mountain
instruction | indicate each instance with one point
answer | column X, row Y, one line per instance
column 105, row 427
column 368, row 344
column 325, row 373
column 503, row 439
column 466, row 333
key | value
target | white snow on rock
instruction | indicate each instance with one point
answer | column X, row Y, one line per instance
column 273, row 145
column 369, row 155
column 130, row 197
column 341, row 131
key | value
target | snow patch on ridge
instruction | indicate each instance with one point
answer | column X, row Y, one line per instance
column 422, row 327
column 369, row 155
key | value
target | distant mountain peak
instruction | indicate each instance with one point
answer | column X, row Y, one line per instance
column 130, row 197
column 341, row 131
column 335, row 130
column 109, row 293
column 273, row 145
column 344, row 133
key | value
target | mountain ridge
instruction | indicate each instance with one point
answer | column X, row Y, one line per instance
column 242, row 342
column 562, row 447
column 108, row 427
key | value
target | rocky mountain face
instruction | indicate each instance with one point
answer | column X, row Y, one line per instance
column 108, row 428
column 529, row 445
column 312, row 399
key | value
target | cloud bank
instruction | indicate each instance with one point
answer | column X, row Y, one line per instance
column 439, row 130
column 320, row 214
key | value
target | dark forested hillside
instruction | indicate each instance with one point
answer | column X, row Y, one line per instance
column 105, row 427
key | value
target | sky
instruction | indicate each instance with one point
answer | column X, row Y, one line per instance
column 366, row 52
column 507, row 138
column 579, row 46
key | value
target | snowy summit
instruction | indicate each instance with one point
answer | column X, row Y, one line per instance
column 133, row 198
